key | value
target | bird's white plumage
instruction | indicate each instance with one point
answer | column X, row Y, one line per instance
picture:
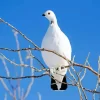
column 57, row 41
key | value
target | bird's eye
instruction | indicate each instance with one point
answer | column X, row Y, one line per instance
column 48, row 13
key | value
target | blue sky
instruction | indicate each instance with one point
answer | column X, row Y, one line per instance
column 78, row 19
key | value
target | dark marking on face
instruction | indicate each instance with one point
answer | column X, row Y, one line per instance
column 52, row 22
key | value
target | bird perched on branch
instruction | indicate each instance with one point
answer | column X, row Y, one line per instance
column 58, row 42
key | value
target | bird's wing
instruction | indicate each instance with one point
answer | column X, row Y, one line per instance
column 64, row 46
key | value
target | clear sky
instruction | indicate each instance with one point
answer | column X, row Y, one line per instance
column 78, row 19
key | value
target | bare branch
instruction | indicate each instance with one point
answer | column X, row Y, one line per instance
column 19, row 53
column 8, row 74
column 85, row 68
column 15, row 78
column 5, row 97
column 21, row 65
column 39, row 95
column 79, row 84
column 18, row 32
column 20, row 59
column 6, row 88
column 32, row 80
column 31, row 56
column 42, row 49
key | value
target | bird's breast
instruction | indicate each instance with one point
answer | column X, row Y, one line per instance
column 55, row 43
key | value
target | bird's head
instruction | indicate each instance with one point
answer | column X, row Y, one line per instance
column 50, row 16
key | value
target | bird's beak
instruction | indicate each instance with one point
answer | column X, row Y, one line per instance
column 43, row 14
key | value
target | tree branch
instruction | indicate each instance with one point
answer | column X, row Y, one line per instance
column 42, row 49
column 1, row 20
column 15, row 78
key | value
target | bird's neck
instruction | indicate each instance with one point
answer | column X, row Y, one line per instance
column 53, row 28
column 53, row 24
column 53, row 21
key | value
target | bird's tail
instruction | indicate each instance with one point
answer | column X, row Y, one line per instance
column 63, row 85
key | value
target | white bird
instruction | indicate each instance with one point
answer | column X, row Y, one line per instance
column 57, row 41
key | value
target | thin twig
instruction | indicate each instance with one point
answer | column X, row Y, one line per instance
column 21, row 65
column 39, row 95
column 19, row 53
column 15, row 78
column 20, row 59
column 85, row 68
column 6, row 88
column 32, row 80
column 79, row 84
column 5, row 97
